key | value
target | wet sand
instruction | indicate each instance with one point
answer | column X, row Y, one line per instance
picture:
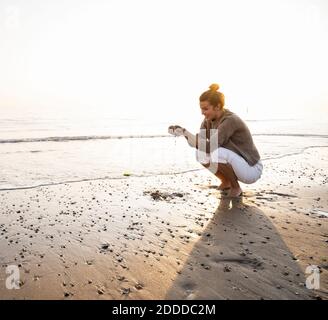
column 170, row 237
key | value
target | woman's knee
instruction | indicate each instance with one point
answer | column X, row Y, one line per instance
column 221, row 155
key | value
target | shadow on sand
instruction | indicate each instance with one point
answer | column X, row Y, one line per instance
column 240, row 255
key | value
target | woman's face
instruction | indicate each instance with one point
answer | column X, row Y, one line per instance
column 208, row 111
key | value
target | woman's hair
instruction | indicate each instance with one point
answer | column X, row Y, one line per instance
column 213, row 96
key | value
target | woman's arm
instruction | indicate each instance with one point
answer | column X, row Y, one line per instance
column 191, row 138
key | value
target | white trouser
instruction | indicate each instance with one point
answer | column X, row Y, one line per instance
column 244, row 172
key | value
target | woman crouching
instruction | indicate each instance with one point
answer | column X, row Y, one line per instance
column 224, row 143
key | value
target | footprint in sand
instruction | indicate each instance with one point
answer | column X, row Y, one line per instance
column 189, row 288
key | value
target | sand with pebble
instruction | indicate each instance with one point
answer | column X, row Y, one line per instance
column 170, row 236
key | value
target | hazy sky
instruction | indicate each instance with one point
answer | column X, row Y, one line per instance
column 153, row 58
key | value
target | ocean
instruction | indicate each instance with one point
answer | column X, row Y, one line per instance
column 46, row 150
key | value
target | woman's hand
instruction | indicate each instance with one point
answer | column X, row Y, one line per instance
column 176, row 130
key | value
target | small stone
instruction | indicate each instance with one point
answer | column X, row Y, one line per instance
column 138, row 286
column 126, row 290
column 227, row 269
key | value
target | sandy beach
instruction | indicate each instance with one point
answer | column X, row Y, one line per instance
column 170, row 236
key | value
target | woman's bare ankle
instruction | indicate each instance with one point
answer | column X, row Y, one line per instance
column 235, row 192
